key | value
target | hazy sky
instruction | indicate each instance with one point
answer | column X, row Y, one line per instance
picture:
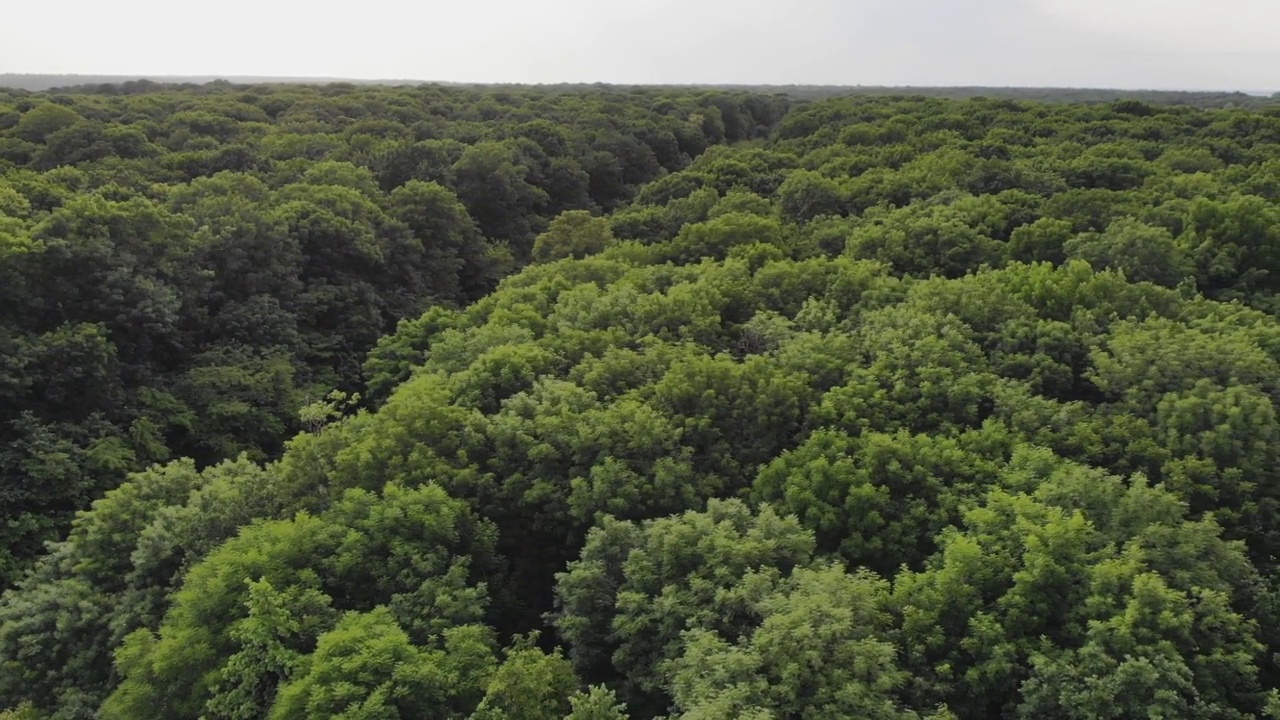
column 1190, row 44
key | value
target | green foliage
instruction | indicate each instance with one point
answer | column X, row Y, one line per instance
column 820, row 651
column 806, row 195
column 1143, row 253
column 409, row 549
column 573, row 234
column 367, row 668
column 115, row 573
column 331, row 407
column 182, row 271
column 1067, row 598
column 880, row 500
column 868, row 407
column 44, row 120
column 637, row 589
column 598, row 703
column 529, row 685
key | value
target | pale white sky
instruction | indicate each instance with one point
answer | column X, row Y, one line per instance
column 1189, row 44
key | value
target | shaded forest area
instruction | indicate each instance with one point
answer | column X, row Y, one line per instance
column 499, row 404
column 181, row 273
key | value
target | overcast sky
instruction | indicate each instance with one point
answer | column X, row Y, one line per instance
column 1164, row 44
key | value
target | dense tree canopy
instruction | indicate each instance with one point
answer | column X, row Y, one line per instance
column 450, row 403
column 182, row 271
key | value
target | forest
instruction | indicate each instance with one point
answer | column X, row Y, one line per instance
column 398, row 403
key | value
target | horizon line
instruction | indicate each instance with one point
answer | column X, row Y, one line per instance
column 209, row 78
